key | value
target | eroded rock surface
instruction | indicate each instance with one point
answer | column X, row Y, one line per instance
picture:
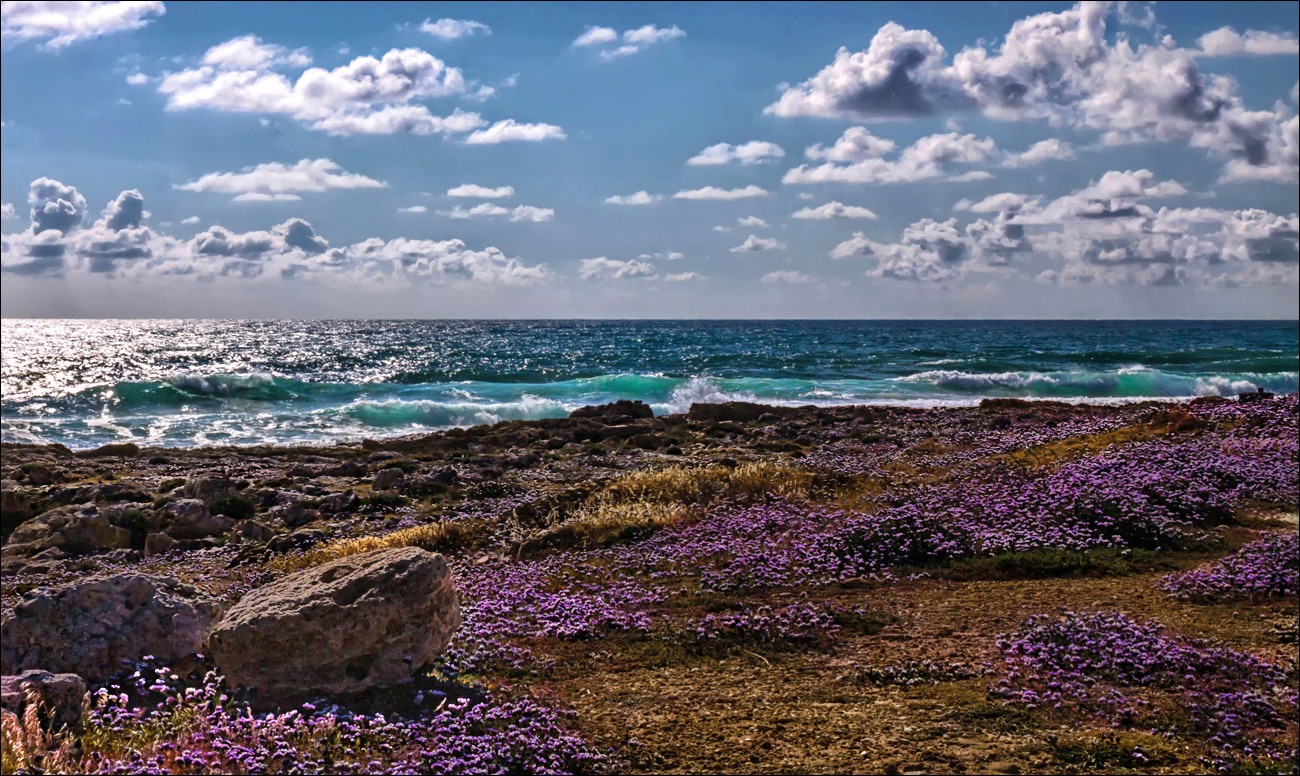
column 358, row 622
column 91, row 627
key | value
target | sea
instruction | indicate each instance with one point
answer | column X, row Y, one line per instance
column 186, row 383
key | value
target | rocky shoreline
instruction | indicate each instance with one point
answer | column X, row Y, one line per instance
column 593, row 551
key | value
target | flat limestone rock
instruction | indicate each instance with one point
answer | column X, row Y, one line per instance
column 73, row 529
column 91, row 627
column 357, row 622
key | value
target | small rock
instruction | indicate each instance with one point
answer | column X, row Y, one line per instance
column 62, row 698
column 339, row 502
column 208, row 489
column 619, row 409
column 292, row 515
column 387, row 478
column 124, row 450
column 298, row 540
column 251, row 531
column 80, row 529
column 189, row 518
column 157, row 543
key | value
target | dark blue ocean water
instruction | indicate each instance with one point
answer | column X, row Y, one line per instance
column 180, row 383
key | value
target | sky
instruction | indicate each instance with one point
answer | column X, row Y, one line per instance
column 649, row 160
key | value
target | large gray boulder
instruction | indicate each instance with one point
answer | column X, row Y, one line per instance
column 91, row 627
column 357, row 622
column 73, row 529
column 61, row 698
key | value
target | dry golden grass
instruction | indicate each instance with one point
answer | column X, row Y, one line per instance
column 25, row 745
column 637, row 504
column 688, row 485
column 435, row 537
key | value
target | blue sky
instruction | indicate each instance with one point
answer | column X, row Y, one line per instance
column 966, row 160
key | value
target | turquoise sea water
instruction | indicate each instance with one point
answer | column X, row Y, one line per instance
column 182, row 383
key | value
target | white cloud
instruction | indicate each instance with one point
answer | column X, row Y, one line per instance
column 137, row 79
column 855, row 145
column 833, row 210
column 1060, row 67
column 671, row 256
column 190, row 220
column 639, row 198
column 480, row 192
column 1227, row 42
column 683, row 277
column 722, row 229
column 929, row 251
column 970, row 177
column 754, row 221
column 119, row 245
column 634, row 40
column 248, row 52
column 602, row 268
column 927, row 158
column 451, row 29
column 596, row 36
column 644, row 36
column 711, row 192
column 1040, row 152
column 487, row 209
column 261, row 196
column 753, row 152
column 413, row 209
column 1131, row 184
column 7, row 211
column 365, row 96
column 509, row 131
column 277, row 181
column 755, row 243
column 998, row 203
column 63, row 23
column 787, row 276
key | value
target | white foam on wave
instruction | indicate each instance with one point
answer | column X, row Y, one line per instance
column 700, row 390
column 1222, row 386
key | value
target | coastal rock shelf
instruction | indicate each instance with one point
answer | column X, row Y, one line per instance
column 1014, row 587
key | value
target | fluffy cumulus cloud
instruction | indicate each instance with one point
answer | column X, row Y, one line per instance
column 451, row 29
column 833, row 210
column 855, row 145
column 755, row 243
column 119, row 244
column 62, row 23
column 670, row 255
column 639, row 198
column 413, row 209
column 929, row 250
column 367, row 96
column 1062, row 67
column 602, row 268
column 612, row 45
column 927, row 158
column 1227, row 42
column 8, row 211
column 276, row 181
column 712, row 192
column 753, row 152
column 753, row 221
column 481, row 192
column 1042, row 151
column 489, row 209
column 683, row 277
column 508, row 131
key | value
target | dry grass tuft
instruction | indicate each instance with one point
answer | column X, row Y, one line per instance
column 687, row 485
column 27, row 747
column 435, row 537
